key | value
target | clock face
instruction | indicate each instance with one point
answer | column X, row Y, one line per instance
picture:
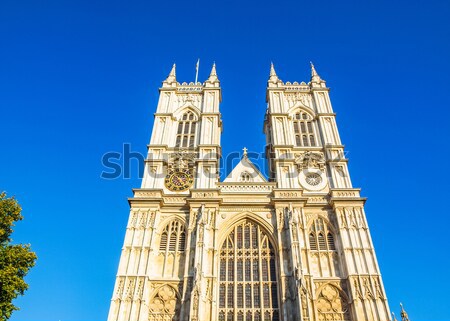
column 179, row 180
column 313, row 179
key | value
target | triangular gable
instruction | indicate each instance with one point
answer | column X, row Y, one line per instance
column 245, row 172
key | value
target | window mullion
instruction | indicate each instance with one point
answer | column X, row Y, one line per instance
column 235, row 274
column 261, row 290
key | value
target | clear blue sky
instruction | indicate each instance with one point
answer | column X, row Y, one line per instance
column 80, row 78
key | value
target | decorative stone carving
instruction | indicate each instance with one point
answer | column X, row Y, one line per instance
column 182, row 159
column 119, row 291
column 165, row 304
column 367, row 288
column 189, row 98
column 246, row 188
column 331, row 305
column 139, row 290
column 305, row 307
column 378, row 290
column 357, row 288
column 308, row 160
column 129, row 290
column 134, row 219
column 304, row 99
column 194, row 306
column 143, row 221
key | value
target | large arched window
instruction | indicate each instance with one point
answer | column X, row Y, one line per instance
column 304, row 130
column 186, row 130
column 320, row 236
column 248, row 277
column 173, row 238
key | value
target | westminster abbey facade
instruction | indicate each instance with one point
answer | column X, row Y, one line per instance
column 293, row 246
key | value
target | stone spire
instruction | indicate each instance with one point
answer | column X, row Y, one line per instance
column 172, row 78
column 213, row 75
column 403, row 314
column 273, row 75
column 314, row 75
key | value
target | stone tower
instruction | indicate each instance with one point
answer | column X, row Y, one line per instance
column 295, row 246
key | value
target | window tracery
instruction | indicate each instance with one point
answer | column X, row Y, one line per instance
column 186, row 130
column 320, row 236
column 173, row 238
column 248, row 278
column 331, row 304
column 165, row 305
column 304, row 130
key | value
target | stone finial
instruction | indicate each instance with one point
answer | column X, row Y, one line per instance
column 213, row 75
column 244, row 152
column 172, row 75
column 314, row 75
column 403, row 313
column 273, row 75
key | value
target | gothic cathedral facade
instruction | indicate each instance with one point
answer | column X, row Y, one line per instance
column 294, row 246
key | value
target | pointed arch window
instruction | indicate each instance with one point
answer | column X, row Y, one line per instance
column 173, row 238
column 320, row 236
column 186, row 130
column 304, row 130
column 248, row 276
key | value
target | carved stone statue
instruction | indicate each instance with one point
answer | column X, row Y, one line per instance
column 310, row 160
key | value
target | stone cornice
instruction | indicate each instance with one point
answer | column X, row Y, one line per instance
column 189, row 87
column 229, row 188
column 346, row 196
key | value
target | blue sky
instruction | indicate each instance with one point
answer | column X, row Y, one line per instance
column 81, row 78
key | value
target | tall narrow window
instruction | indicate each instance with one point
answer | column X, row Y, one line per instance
column 173, row 237
column 304, row 130
column 255, row 295
column 312, row 242
column 182, row 241
column 322, row 245
column 186, row 130
column 320, row 237
column 163, row 243
column 330, row 240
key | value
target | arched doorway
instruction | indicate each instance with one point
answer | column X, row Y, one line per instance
column 247, row 275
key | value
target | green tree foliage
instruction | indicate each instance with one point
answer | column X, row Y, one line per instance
column 15, row 259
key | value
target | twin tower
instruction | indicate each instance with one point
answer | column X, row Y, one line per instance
column 294, row 246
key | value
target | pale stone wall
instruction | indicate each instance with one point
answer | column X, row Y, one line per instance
column 325, row 263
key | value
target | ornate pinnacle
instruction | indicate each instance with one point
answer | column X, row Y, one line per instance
column 403, row 313
column 314, row 75
column 213, row 74
column 273, row 75
column 172, row 75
